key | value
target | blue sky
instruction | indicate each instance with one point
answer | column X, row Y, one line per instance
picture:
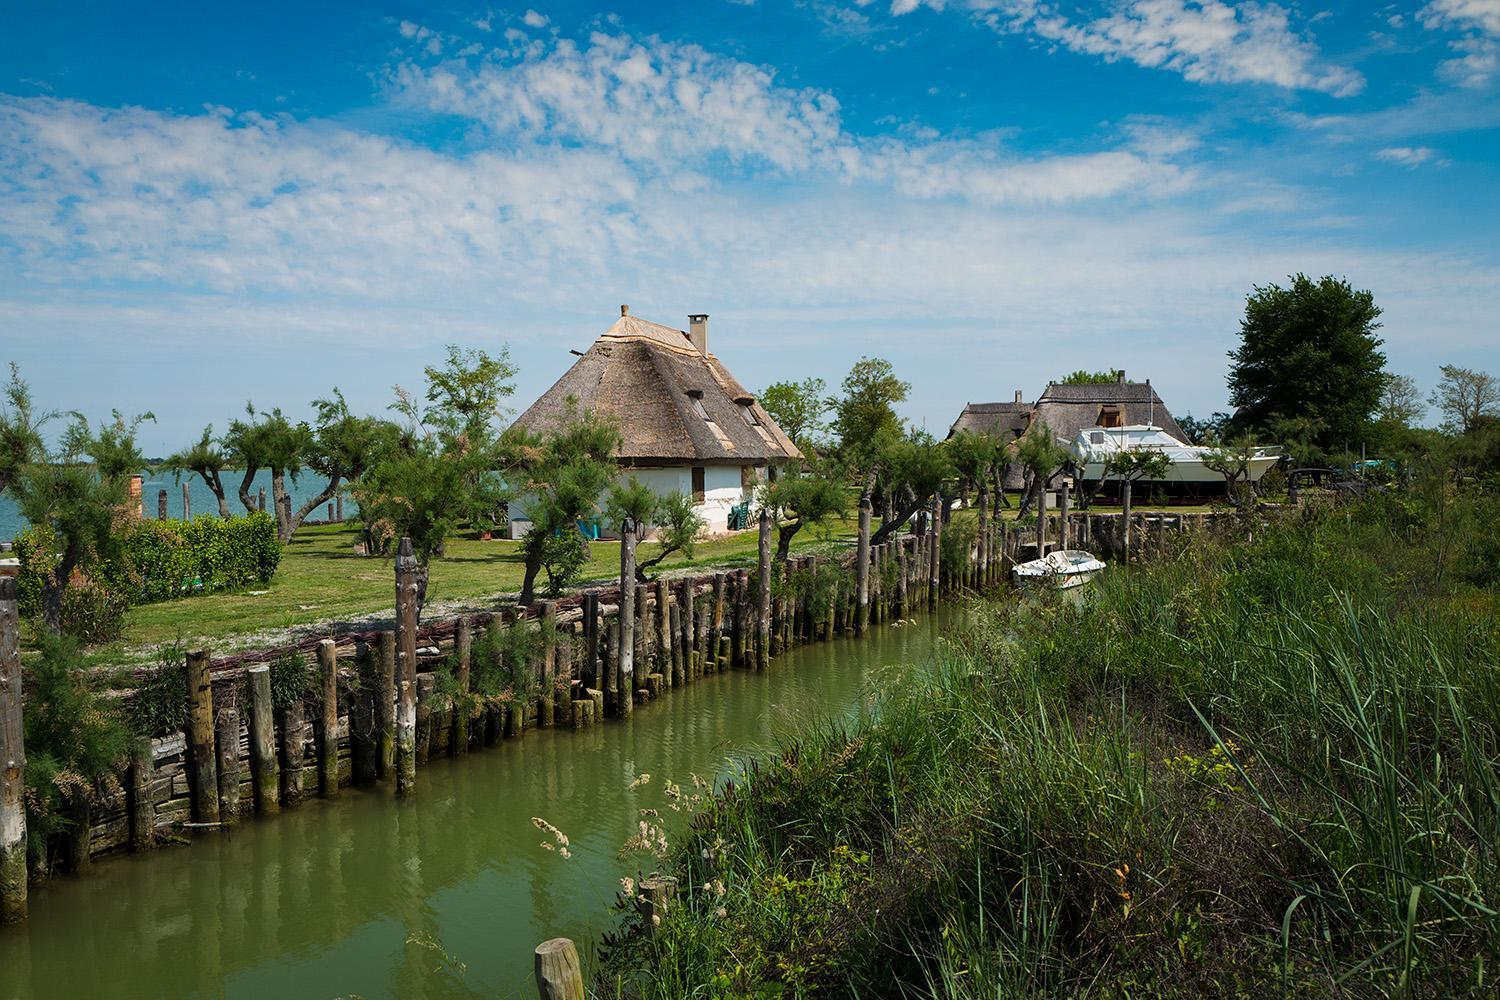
column 201, row 205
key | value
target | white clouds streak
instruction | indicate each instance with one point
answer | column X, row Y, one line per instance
column 1206, row 41
column 1479, row 59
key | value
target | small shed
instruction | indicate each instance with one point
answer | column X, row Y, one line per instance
column 686, row 424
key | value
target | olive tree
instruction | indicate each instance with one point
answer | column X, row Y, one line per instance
column 803, row 495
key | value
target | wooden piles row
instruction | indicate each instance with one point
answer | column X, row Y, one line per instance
column 378, row 711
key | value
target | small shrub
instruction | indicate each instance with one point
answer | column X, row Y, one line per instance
column 159, row 703
column 292, row 679
column 93, row 612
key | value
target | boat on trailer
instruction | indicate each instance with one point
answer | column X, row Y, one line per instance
column 1095, row 446
column 1060, row 570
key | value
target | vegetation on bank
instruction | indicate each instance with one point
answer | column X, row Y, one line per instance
column 1250, row 766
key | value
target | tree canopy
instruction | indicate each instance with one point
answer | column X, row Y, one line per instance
column 865, row 419
column 798, row 408
column 1082, row 377
column 1309, row 351
column 1466, row 397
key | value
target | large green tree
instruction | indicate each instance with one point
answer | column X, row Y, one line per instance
column 798, row 409
column 865, row 419
column 1309, row 351
column 1467, row 397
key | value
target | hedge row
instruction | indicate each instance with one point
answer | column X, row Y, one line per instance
column 161, row 560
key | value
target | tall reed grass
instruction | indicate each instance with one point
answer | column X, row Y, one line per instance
column 1264, row 765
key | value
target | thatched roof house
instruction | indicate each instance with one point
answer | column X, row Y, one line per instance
column 1007, row 421
column 1068, row 409
column 686, row 423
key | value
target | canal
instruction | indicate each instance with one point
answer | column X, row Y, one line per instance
column 443, row 896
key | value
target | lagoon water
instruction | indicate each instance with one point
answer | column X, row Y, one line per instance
column 306, row 486
column 444, row 895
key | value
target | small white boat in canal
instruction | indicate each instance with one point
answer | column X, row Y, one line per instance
column 1063, row 570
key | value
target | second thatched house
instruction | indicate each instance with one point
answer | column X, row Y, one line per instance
column 686, row 425
column 1068, row 408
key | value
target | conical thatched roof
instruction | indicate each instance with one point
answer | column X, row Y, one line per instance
column 652, row 381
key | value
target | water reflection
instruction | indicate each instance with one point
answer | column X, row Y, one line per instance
column 370, row 896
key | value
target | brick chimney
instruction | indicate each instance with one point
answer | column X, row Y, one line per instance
column 1120, row 376
column 698, row 331
column 1018, row 396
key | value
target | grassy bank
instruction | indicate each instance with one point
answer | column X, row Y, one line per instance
column 320, row 579
column 1257, row 767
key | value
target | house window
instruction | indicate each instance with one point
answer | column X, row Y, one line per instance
column 1111, row 416
column 698, row 484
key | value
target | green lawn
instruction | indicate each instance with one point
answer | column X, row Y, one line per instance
column 321, row 579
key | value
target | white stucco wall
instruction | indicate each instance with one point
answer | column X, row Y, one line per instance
column 721, row 491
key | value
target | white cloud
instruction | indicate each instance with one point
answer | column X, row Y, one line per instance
column 1479, row 59
column 534, row 20
column 1411, row 156
column 668, row 177
column 1206, row 41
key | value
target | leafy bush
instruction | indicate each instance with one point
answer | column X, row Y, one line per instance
column 159, row 703
column 94, row 612
column 292, row 679
column 74, row 738
column 160, row 560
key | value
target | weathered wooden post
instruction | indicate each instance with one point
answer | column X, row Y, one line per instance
column 227, row 748
column 1125, row 519
column 265, row 775
column 559, row 976
column 716, row 622
column 547, row 703
column 12, row 761
column 293, row 717
column 674, row 636
column 935, row 557
column 203, row 768
column 1041, row 520
column 385, row 705
column 982, row 576
column 463, row 651
column 328, row 729
column 590, row 676
column 642, row 627
column 862, row 568
column 140, row 806
column 187, row 504
column 656, row 895
column 689, row 628
column 625, row 681
column 161, row 504
column 426, row 695
column 763, row 617
column 338, row 507
column 407, row 586
column 1064, row 536
column 260, row 499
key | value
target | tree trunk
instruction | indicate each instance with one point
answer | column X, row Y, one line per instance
column 281, row 505
column 784, row 535
column 528, row 583
column 324, row 495
column 245, row 481
column 215, row 484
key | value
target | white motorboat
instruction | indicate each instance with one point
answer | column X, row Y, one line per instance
column 1063, row 570
column 1094, row 446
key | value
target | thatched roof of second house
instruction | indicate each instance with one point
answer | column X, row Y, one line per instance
column 1068, row 409
column 674, row 402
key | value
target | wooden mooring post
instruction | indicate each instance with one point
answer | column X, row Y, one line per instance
column 227, row 747
column 1125, row 520
column 12, row 761
column 763, row 615
column 463, row 649
column 407, row 586
column 139, row 802
column 1064, row 536
column 203, row 765
column 187, row 503
column 264, row 773
column 385, row 705
column 328, row 727
column 862, row 568
column 624, row 673
column 161, row 504
column 559, row 974
column 935, row 556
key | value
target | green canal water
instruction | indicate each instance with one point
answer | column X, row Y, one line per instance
column 441, row 896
